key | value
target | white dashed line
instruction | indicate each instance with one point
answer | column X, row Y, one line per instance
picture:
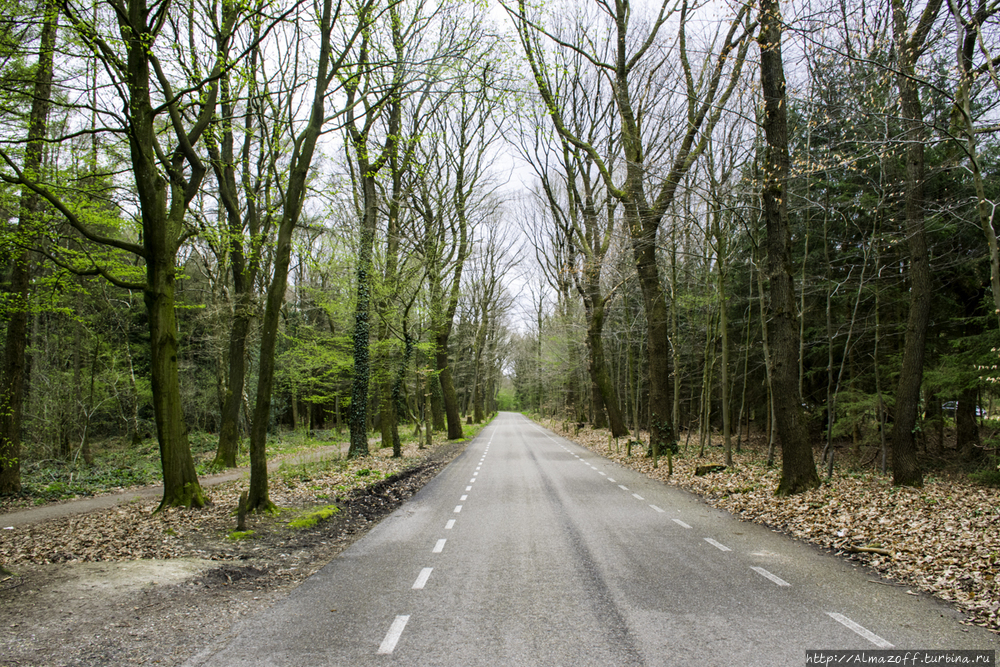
column 421, row 581
column 468, row 488
column 720, row 547
column 464, row 498
column 391, row 637
column 767, row 575
column 611, row 480
column 623, row 487
column 867, row 634
column 657, row 509
column 681, row 523
column 471, row 481
column 450, row 524
column 637, row 496
column 602, row 473
column 458, row 508
column 439, row 547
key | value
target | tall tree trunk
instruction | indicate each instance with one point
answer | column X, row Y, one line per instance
column 13, row 370
column 906, row 469
column 449, row 396
column 180, row 481
column 301, row 162
column 599, row 370
column 798, row 468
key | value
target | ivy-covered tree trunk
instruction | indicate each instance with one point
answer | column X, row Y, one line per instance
column 13, row 369
column 798, row 468
column 362, row 318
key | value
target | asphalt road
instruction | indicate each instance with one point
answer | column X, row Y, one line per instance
column 530, row 550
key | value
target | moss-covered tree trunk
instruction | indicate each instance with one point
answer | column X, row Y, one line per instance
column 180, row 481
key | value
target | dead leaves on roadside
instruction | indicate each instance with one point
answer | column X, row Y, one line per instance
column 943, row 538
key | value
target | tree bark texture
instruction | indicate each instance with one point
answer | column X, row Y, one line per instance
column 798, row 468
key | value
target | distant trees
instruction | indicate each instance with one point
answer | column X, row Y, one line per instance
column 847, row 240
column 225, row 109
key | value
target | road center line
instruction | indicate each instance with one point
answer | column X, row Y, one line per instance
column 464, row 498
column 767, row 575
column 720, row 547
column 637, row 496
column 439, row 547
column 450, row 524
column 421, row 581
column 611, row 480
column 391, row 637
column 472, row 480
column 867, row 634
column 623, row 487
column 657, row 509
column 468, row 488
column 681, row 523
column 458, row 508
column 602, row 473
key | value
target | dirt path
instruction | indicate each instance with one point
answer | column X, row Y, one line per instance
column 89, row 504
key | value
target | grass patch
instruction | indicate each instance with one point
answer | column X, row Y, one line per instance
column 239, row 535
column 312, row 518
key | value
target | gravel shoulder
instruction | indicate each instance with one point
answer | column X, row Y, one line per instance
column 120, row 585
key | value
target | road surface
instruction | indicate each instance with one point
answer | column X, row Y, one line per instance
column 531, row 550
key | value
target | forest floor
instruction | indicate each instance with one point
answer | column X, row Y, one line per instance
column 943, row 539
column 124, row 586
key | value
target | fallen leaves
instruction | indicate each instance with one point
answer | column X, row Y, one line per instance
column 943, row 538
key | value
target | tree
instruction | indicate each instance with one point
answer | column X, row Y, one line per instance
column 166, row 180
column 798, row 469
column 328, row 66
column 644, row 205
column 909, row 44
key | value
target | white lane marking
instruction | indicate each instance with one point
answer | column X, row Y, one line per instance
column 439, row 547
column 458, row 508
column 720, row 547
column 767, row 575
column 602, row 473
column 623, row 487
column 464, row 498
column 472, row 480
column 657, row 509
column 421, row 581
column 611, row 480
column 867, row 634
column 468, row 488
column 637, row 496
column 681, row 523
column 450, row 524
column 594, row 467
column 391, row 637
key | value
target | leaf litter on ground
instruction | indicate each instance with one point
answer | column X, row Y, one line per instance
column 943, row 538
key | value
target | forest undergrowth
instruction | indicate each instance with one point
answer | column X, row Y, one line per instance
column 943, row 538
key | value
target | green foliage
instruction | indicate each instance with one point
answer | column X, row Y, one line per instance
column 989, row 475
column 312, row 518
column 240, row 535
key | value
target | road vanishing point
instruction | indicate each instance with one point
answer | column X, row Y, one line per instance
column 531, row 550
